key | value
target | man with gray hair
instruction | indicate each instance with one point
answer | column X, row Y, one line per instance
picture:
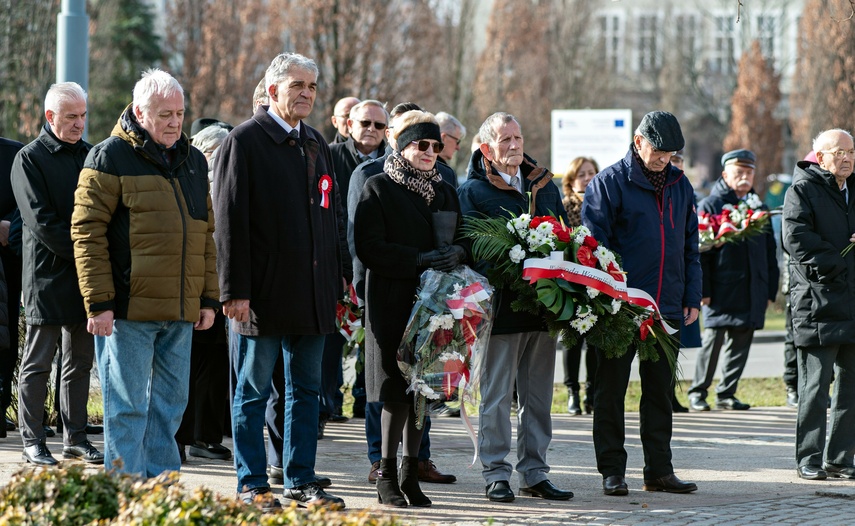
column 44, row 177
column 818, row 227
column 520, row 347
column 452, row 132
column 340, row 117
column 280, row 238
column 143, row 243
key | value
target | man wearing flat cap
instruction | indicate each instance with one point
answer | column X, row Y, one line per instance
column 642, row 207
column 739, row 281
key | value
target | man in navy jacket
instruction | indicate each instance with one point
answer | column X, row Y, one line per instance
column 643, row 209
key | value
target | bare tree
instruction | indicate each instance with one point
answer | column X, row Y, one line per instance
column 27, row 64
column 753, row 124
column 823, row 93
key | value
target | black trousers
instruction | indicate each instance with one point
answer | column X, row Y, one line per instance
column 657, row 386
column 572, row 362
column 12, row 265
column 791, row 369
column 209, row 381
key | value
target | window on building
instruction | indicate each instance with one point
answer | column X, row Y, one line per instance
column 686, row 32
column 766, row 30
column 648, row 30
column 610, row 42
column 723, row 53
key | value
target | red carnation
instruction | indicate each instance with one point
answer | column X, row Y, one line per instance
column 590, row 242
column 586, row 257
column 443, row 337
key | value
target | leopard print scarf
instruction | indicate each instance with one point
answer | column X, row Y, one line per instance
column 418, row 181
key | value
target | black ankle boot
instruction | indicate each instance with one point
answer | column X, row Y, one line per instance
column 573, row 407
column 388, row 492
column 410, row 483
column 589, row 398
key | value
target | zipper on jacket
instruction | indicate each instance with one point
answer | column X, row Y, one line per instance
column 174, row 181
column 660, row 204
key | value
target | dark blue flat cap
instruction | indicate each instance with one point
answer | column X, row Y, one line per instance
column 741, row 157
column 662, row 131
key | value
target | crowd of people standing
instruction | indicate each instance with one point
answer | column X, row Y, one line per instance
column 201, row 274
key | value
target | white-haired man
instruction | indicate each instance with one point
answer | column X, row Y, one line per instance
column 452, row 132
column 143, row 243
column 818, row 225
column 279, row 240
column 44, row 177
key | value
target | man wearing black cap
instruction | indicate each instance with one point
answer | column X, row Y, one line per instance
column 739, row 281
column 643, row 208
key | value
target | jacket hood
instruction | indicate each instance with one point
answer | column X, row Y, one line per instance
column 806, row 170
column 129, row 130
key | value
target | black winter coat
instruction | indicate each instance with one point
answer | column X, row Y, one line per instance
column 44, row 178
column 277, row 246
column 391, row 226
column 816, row 227
column 485, row 193
column 739, row 278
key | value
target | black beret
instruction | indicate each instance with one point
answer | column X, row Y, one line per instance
column 200, row 124
column 741, row 157
column 662, row 131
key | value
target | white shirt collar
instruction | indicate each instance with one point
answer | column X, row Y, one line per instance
column 507, row 178
column 282, row 122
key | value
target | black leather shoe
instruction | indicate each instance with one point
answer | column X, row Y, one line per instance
column 812, row 472
column 546, row 490
column 205, row 450
column 312, row 494
column 500, row 491
column 94, row 429
column 337, row 419
column 322, row 424
column 731, row 404
column 841, row 472
column 792, row 398
column 84, row 451
column 677, row 407
column 615, row 485
column 49, row 432
column 669, row 484
column 261, row 497
column 698, row 404
column 38, row 454
column 10, row 426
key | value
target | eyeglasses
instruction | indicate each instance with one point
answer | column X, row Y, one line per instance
column 424, row 145
column 377, row 125
column 456, row 139
column 840, row 154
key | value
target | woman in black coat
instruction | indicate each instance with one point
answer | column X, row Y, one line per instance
column 394, row 237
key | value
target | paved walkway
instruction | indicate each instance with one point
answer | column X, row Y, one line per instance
column 742, row 462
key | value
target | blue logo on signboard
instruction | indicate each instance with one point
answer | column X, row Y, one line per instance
column 618, row 123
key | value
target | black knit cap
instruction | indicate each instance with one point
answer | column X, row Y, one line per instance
column 662, row 131
column 417, row 132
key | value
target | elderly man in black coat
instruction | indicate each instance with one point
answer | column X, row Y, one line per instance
column 739, row 281
column 44, row 178
column 818, row 226
column 280, row 248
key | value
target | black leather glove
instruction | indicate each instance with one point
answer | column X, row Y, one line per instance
column 451, row 257
column 428, row 259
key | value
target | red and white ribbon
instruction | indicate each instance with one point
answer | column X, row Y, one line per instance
column 535, row 269
column 325, row 187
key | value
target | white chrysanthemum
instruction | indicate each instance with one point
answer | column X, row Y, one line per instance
column 592, row 292
column 579, row 234
column 583, row 325
column 616, row 305
column 534, row 240
column 518, row 225
column 753, row 201
column 582, row 311
column 517, row 254
column 440, row 321
column 604, row 257
column 545, row 229
column 446, row 356
column 424, row 389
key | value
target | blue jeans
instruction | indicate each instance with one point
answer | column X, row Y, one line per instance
column 256, row 356
column 145, row 379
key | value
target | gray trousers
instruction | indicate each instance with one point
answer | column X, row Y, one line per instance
column 736, row 342
column 528, row 358
column 78, row 351
column 816, row 365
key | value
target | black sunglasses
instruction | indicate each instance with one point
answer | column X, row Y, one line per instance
column 377, row 125
column 424, row 145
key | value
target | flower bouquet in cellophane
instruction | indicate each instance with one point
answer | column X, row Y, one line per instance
column 576, row 284
column 446, row 334
column 733, row 223
column 348, row 319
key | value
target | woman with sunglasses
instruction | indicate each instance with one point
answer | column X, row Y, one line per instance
column 394, row 238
